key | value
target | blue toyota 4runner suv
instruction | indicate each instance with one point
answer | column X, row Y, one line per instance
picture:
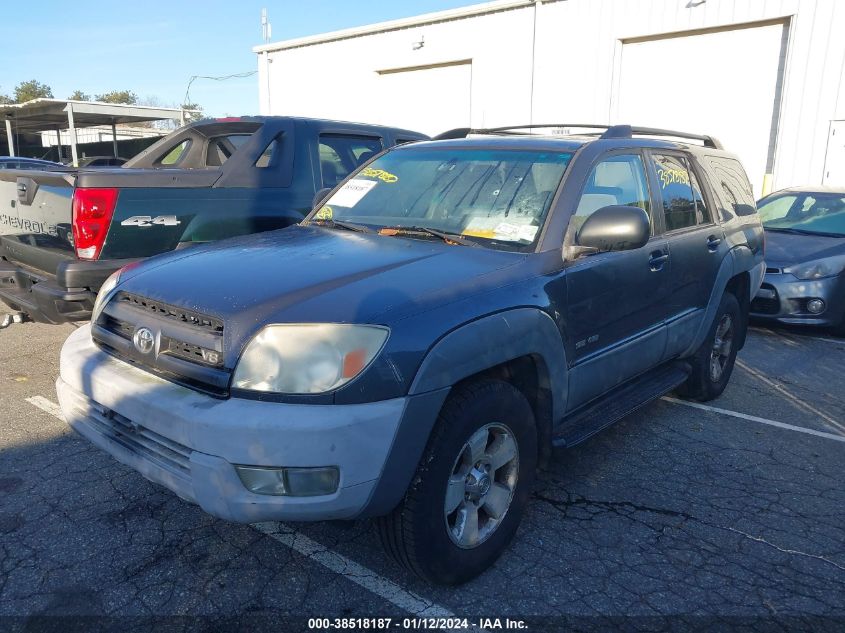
column 442, row 319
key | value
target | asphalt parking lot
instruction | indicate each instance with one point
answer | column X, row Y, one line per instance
column 728, row 514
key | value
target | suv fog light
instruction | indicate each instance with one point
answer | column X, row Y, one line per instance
column 292, row 482
column 815, row 306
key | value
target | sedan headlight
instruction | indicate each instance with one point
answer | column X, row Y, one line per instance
column 818, row 269
column 106, row 292
column 307, row 358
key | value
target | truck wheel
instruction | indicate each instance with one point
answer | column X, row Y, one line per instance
column 713, row 363
column 471, row 488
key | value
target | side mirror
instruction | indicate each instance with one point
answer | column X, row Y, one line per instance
column 320, row 196
column 615, row 228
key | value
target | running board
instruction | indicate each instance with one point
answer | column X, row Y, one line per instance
column 625, row 399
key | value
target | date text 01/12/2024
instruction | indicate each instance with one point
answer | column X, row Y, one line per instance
column 449, row 624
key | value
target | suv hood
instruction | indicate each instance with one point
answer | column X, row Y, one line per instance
column 316, row 274
column 784, row 249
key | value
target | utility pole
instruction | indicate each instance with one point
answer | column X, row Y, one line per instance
column 266, row 27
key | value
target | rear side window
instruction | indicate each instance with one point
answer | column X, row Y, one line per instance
column 735, row 190
column 221, row 148
column 679, row 191
column 340, row 154
column 701, row 207
column 617, row 180
column 273, row 149
column 176, row 154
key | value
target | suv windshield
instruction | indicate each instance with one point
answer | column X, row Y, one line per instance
column 822, row 213
column 498, row 198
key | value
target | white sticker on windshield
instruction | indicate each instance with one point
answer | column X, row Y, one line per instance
column 495, row 229
column 351, row 193
column 506, row 231
column 528, row 232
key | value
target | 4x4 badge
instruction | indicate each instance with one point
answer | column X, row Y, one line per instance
column 143, row 340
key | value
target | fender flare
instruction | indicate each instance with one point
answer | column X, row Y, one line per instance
column 738, row 260
column 493, row 340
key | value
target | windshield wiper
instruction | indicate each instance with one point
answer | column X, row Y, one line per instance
column 446, row 237
column 794, row 231
column 340, row 224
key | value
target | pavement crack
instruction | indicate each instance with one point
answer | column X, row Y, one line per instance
column 760, row 539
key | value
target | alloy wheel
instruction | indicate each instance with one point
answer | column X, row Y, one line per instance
column 481, row 486
column 722, row 345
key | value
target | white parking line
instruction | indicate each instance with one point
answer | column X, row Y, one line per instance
column 46, row 405
column 353, row 571
column 798, row 402
column 754, row 418
column 338, row 563
column 796, row 337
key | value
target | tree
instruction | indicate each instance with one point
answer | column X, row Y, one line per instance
column 6, row 99
column 32, row 89
column 118, row 96
column 193, row 116
column 78, row 95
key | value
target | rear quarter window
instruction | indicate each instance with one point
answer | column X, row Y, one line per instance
column 732, row 186
column 174, row 155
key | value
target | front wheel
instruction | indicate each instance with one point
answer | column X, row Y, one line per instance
column 713, row 363
column 471, row 487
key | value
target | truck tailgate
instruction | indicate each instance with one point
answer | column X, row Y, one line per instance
column 35, row 209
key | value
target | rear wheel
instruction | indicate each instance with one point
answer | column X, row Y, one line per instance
column 471, row 487
column 713, row 363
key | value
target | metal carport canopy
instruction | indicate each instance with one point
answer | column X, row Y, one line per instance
column 41, row 115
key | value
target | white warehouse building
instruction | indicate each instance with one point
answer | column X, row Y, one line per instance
column 763, row 76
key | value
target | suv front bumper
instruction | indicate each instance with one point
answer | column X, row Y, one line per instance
column 189, row 442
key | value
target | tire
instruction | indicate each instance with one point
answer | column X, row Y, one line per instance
column 839, row 329
column 713, row 362
column 439, row 546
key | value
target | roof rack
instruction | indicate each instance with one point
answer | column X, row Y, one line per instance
column 610, row 131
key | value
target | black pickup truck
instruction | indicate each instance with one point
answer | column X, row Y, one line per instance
column 63, row 233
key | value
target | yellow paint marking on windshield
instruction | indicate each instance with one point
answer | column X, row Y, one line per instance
column 325, row 213
column 382, row 175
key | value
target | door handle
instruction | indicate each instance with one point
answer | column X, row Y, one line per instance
column 713, row 242
column 657, row 259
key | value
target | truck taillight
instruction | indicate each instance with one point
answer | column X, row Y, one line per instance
column 92, row 214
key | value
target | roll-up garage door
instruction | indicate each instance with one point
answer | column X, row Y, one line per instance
column 429, row 99
column 725, row 83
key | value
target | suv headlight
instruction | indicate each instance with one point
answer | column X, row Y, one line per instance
column 106, row 292
column 307, row 358
column 818, row 269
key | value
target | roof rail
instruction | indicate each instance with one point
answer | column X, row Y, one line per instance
column 463, row 132
column 458, row 132
column 628, row 131
column 610, row 131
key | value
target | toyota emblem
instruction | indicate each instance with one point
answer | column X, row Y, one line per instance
column 144, row 340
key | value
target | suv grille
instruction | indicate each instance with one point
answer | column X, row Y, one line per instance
column 171, row 312
column 187, row 348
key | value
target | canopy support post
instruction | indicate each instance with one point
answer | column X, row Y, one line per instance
column 9, row 137
column 74, row 151
column 114, row 138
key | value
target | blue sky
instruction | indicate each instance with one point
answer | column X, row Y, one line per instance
column 153, row 47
